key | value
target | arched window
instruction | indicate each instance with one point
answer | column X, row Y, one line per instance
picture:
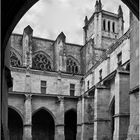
column 104, row 24
column 109, row 26
column 72, row 66
column 113, row 26
column 14, row 61
column 41, row 62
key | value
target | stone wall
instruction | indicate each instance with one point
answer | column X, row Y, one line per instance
column 59, row 82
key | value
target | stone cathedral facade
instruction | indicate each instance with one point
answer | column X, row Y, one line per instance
column 64, row 91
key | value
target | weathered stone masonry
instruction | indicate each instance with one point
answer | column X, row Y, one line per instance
column 64, row 91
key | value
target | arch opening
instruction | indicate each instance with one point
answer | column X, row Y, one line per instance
column 72, row 66
column 15, row 131
column 43, row 126
column 70, row 125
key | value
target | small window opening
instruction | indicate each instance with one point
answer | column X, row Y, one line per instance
column 88, row 85
column 100, row 74
column 119, row 57
column 72, row 89
column 43, row 86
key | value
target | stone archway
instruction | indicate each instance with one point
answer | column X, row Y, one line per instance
column 70, row 125
column 15, row 125
column 43, row 125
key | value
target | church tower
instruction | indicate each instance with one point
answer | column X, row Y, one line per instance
column 101, row 30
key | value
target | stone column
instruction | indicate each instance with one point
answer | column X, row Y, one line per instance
column 79, row 119
column 121, row 116
column 59, row 127
column 83, row 117
column 27, row 128
column 101, row 116
column 87, row 118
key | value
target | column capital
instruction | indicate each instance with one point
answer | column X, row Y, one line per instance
column 60, row 98
column 28, row 96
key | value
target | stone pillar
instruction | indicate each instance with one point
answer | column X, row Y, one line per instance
column 79, row 119
column 28, row 82
column 87, row 118
column 27, row 130
column 102, row 129
column 121, row 116
column 83, row 115
column 59, row 127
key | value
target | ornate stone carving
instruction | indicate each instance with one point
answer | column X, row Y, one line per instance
column 41, row 62
column 14, row 61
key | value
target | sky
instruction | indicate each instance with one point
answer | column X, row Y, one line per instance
column 48, row 18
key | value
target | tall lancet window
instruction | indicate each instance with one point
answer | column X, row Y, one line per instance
column 109, row 26
column 41, row 62
column 14, row 61
column 113, row 27
column 72, row 66
column 104, row 25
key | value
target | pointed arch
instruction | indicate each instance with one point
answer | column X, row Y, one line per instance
column 42, row 61
column 43, row 124
column 72, row 65
column 70, row 124
column 47, row 110
column 15, row 131
column 17, row 111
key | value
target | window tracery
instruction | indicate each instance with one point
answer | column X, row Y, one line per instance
column 72, row 66
column 41, row 62
column 14, row 61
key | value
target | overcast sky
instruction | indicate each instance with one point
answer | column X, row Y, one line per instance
column 49, row 17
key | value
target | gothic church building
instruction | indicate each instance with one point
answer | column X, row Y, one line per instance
column 64, row 91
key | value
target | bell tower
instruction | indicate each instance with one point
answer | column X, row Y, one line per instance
column 101, row 30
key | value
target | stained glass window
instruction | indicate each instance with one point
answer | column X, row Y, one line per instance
column 41, row 62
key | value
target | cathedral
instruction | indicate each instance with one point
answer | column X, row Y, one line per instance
column 65, row 91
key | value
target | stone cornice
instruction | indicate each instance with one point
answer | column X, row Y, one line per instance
column 47, row 73
column 101, row 120
column 122, row 115
column 48, row 40
column 87, row 123
column 44, row 95
column 109, row 13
